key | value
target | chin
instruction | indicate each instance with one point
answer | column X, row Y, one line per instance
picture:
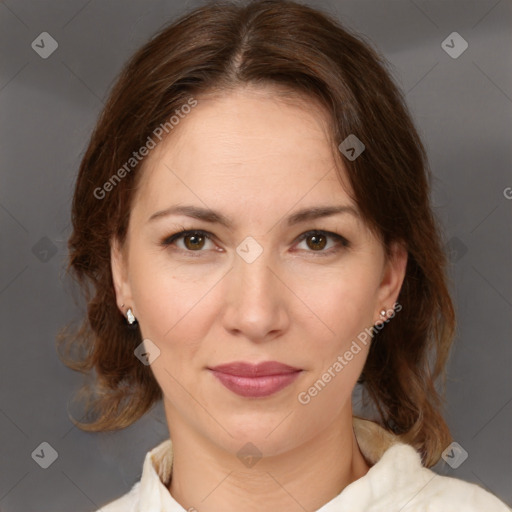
column 270, row 433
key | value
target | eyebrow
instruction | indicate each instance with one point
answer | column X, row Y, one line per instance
column 207, row 215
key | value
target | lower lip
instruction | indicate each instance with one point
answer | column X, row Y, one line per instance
column 256, row 387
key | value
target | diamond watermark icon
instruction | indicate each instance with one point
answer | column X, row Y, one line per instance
column 44, row 45
column 454, row 455
column 44, row 249
column 351, row 147
column 454, row 45
column 249, row 455
column 249, row 249
column 147, row 352
column 455, row 249
column 45, row 455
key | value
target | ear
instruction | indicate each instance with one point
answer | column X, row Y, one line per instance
column 119, row 267
column 393, row 276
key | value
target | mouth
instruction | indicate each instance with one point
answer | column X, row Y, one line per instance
column 255, row 380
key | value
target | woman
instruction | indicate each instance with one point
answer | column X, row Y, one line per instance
column 253, row 215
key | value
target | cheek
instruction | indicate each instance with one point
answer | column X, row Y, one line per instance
column 160, row 291
column 337, row 355
column 176, row 304
column 344, row 299
column 170, row 316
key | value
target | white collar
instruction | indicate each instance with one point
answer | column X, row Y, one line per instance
column 376, row 444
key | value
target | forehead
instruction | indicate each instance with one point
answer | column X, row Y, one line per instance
column 253, row 143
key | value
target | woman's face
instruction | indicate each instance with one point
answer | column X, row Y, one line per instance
column 253, row 286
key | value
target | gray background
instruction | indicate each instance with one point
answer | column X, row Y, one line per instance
column 463, row 109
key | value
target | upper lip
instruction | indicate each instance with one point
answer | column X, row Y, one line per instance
column 243, row 369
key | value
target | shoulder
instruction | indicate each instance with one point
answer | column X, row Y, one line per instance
column 148, row 491
column 416, row 488
column 126, row 503
column 443, row 491
column 462, row 496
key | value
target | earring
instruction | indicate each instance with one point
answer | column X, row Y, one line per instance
column 381, row 321
column 131, row 318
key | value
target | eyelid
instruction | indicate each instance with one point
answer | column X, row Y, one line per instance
column 169, row 240
column 342, row 241
column 330, row 234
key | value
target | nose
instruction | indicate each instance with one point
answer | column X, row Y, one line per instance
column 255, row 300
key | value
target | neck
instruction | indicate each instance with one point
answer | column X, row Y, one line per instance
column 207, row 478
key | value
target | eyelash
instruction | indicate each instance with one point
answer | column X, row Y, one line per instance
column 342, row 241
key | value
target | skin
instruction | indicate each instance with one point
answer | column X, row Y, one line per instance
column 256, row 157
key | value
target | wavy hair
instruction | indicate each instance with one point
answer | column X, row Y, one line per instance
column 220, row 46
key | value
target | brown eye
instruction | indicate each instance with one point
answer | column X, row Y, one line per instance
column 188, row 241
column 194, row 241
column 323, row 242
column 316, row 242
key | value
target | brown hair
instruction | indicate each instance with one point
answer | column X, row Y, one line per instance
column 283, row 43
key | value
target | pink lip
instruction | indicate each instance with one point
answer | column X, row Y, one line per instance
column 249, row 380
